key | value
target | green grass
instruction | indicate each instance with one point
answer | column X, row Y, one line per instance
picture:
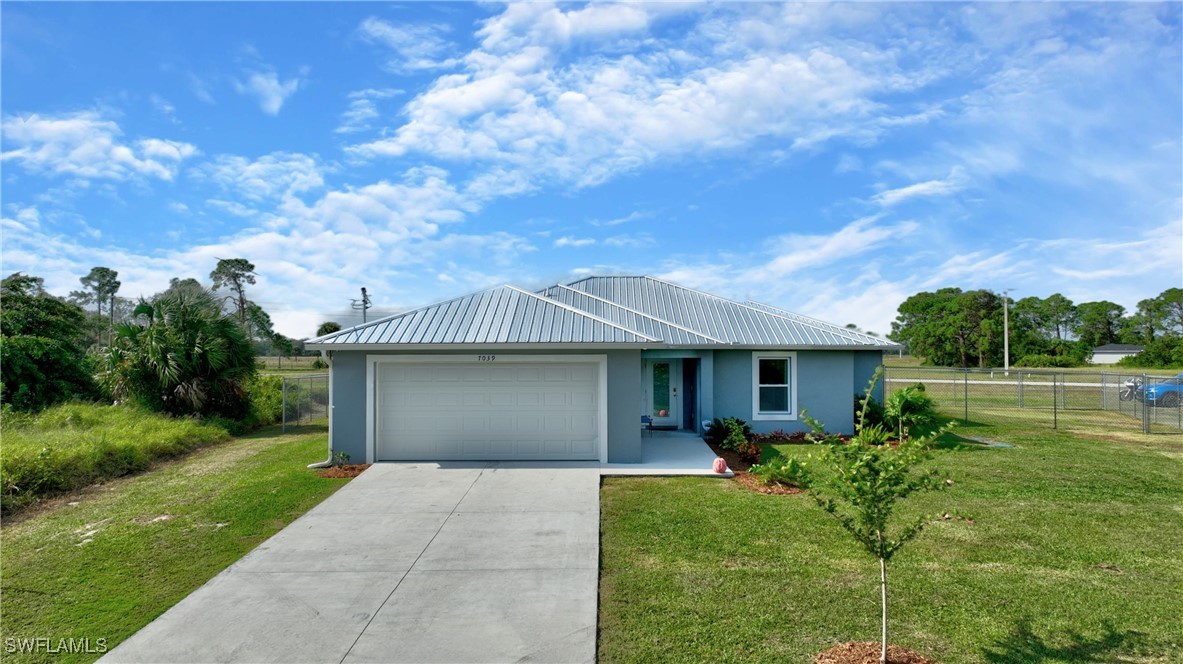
column 69, row 446
column 104, row 562
column 705, row 570
column 289, row 366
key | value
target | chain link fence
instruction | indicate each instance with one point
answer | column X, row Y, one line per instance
column 1057, row 399
column 305, row 398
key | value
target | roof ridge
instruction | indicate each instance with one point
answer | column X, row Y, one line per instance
column 643, row 314
column 583, row 313
column 815, row 323
column 391, row 317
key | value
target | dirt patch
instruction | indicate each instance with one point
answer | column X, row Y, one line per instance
column 866, row 652
column 344, row 471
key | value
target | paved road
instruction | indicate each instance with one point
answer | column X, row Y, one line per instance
column 491, row 562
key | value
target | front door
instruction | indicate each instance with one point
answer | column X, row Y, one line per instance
column 663, row 402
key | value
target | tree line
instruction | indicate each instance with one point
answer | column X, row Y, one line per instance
column 955, row 328
column 189, row 349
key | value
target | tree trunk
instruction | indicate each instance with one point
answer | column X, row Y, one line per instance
column 883, row 589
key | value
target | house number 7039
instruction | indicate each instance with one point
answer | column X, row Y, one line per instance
column 486, row 358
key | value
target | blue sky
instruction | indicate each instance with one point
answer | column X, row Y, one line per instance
column 830, row 159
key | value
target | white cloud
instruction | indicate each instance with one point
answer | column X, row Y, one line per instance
column 572, row 241
column 640, row 241
column 275, row 175
column 416, row 46
column 950, row 185
column 164, row 107
column 268, row 89
column 87, row 145
column 363, row 109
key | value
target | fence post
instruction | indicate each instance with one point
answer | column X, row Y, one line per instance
column 283, row 414
column 1145, row 405
column 1020, row 389
column 966, row 398
column 1055, row 413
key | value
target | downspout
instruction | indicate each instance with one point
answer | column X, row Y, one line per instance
column 328, row 358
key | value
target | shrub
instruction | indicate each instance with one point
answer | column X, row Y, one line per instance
column 1048, row 362
column 265, row 395
column 1162, row 353
column 319, row 364
column 780, row 437
column 749, row 451
column 780, row 470
column 728, row 433
column 70, row 446
column 910, row 410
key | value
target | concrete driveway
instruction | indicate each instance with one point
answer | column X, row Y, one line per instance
column 487, row 562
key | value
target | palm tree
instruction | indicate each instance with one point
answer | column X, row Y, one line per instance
column 181, row 355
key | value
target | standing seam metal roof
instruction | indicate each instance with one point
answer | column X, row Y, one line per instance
column 601, row 310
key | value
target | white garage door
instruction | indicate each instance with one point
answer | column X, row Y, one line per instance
column 500, row 410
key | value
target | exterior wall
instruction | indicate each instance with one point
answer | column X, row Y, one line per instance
column 348, row 430
column 1109, row 358
column 865, row 364
column 624, row 406
column 825, row 387
column 348, row 373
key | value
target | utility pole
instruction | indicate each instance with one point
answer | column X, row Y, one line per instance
column 1006, row 330
column 363, row 304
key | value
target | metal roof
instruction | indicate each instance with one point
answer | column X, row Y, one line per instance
column 605, row 311
column 500, row 315
column 727, row 320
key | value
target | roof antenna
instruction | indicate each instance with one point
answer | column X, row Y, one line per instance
column 363, row 304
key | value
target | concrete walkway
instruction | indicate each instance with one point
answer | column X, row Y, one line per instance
column 487, row 562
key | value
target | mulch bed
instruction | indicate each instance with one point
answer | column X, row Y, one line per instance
column 740, row 466
column 866, row 652
column 344, row 470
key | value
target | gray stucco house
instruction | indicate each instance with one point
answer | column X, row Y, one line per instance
column 1111, row 353
column 571, row 372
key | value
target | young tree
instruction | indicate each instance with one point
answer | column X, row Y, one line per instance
column 328, row 327
column 863, row 484
column 235, row 274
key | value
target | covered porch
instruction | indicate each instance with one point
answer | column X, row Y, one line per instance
column 669, row 453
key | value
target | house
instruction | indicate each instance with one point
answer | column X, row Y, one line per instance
column 1111, row 353
column 571, row 372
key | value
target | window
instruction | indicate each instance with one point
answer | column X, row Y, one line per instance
column 774, row 386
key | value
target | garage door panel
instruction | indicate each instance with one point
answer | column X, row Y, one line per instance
column 442, row 411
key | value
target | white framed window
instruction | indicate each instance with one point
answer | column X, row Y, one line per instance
column 774, row 385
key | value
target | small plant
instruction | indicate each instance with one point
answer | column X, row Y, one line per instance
column 340, row 458
column 750, row 451
column 910, row 410
column 780, row 437
column 865, row 482
column 788, row 471
column 319, row 364
column 729, row 433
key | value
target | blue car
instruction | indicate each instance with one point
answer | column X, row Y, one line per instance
column 1165, row 393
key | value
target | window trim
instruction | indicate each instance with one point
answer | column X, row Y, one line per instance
column 782, row 416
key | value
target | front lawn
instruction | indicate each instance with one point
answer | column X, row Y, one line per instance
column 1073, row 554
column 102, row 563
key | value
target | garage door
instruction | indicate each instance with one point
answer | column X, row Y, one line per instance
column 439, row 411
